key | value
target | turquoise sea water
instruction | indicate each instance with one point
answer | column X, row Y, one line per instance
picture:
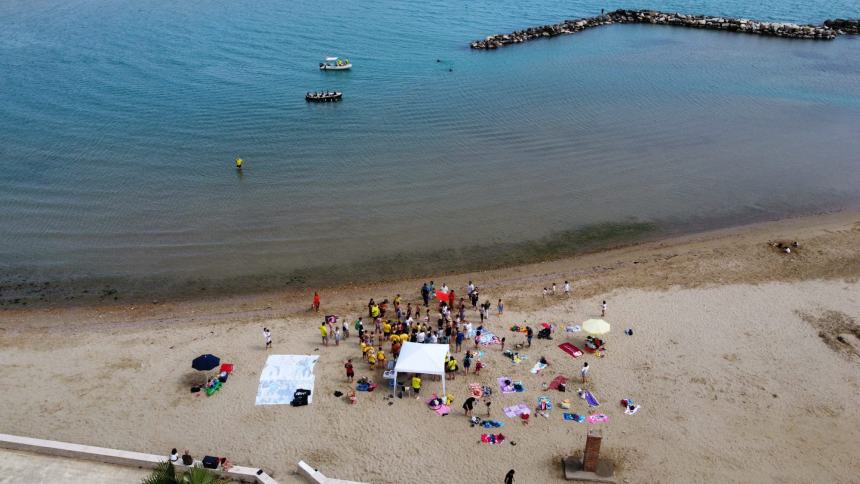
column 120, row 121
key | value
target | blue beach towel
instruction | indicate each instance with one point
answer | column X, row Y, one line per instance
column 574, row 417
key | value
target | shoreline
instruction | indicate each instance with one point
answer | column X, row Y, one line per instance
column 296, row 300
column 390, row 269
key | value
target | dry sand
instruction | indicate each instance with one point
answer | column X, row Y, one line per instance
column 746, row 362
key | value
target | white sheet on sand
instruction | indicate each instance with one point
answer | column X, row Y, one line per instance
column 283, row 375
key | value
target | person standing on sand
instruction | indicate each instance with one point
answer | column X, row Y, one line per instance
column 501, row 307
column 469, row 405
column 584, row 373
column 459, row 345
column 603, row 309
column 350, row 372
column 545, row 292
column 324, row 333
column 316, row 304
column 503, row 343
column 567, row 288
column 529, row 334
column 267, row 337
column 337, row 336
column 467, row 362
column 553, row 289
column 509, row 477
column 416, row 385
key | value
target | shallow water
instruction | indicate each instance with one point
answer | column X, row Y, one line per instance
column 120, row 122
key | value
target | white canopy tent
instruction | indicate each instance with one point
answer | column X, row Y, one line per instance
column 422, row 358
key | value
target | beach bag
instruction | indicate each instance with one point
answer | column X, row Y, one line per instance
column 300, row 398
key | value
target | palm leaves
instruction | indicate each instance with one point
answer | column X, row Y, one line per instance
column 165, row 473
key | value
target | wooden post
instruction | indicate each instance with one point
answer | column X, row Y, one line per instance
column 592, row 450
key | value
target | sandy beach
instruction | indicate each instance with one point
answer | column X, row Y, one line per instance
column 745, row 361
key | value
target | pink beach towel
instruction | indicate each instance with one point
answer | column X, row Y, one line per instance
column 443, row 410
column 571, row 350
column 476, row 390
column 597, row 418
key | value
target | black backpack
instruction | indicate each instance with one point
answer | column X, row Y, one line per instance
column 300, row 397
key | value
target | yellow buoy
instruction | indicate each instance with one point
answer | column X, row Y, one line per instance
column 239, row 162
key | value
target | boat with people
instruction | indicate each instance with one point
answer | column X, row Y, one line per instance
column 323, row 96
column 335, row 64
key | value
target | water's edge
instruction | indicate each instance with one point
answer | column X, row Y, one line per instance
column 17, row 291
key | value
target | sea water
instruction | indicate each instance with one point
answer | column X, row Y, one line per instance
column 120, row 122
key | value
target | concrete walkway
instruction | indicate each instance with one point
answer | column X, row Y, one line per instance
column 17, row 467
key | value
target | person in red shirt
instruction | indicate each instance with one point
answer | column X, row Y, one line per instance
column 316, row 303
column 350, row 372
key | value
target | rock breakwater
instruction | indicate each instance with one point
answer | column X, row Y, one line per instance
column 827, row 31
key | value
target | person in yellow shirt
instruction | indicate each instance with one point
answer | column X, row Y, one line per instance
column 452, row 368
column 380, row 357
column 404, row 338
column 324, row 333
column 386, row 328
column 372, row 360
column 416, row 384
column 363, row 350
column 374, row 311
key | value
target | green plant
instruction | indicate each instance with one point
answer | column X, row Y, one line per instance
column 200, row 475
column 164, row 473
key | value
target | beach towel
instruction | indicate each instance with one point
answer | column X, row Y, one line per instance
column 519, row 387
column 565, row 404
column 591, row 399
column 597, row 418
column 476, row 390
column 519, row 329
column 573, row 328
column 492, row 438
column 571, row 350
column 283, row 375
column 558, row 380
column 538, row 367
column 574, row 417
column 443, row 410
column 489, row 424
column 506, row 389
column 632, row 411
column 487, row 390
column 516, row 410
column 487, row 338
column 545, row 400
column 518, row 358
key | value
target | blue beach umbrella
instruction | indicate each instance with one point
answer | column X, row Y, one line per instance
column 205, row 362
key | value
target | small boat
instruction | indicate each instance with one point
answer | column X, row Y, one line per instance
column 323, row 96
column 335, row 64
